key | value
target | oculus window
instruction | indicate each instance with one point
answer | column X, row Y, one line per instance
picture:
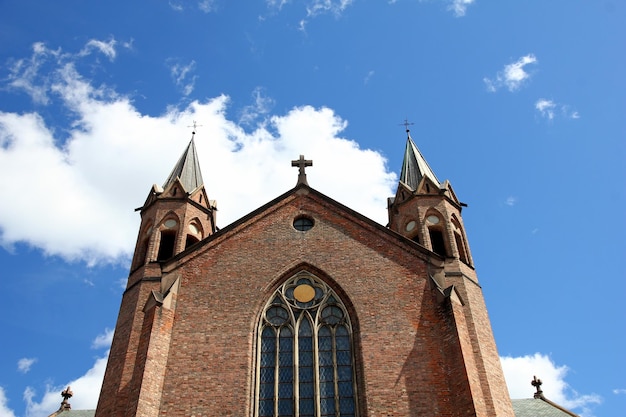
column 303, row 223
column 305, row 354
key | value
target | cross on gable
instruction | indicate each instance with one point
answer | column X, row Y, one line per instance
column 536, row 382
column 302, row 164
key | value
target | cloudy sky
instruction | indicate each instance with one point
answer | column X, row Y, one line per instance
column 520, row 104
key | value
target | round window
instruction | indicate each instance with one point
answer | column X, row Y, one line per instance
column 171, row 223
column 433, row 219
column 303, row 223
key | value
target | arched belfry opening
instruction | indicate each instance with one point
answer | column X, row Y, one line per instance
column 167, row 242
column 194, row 233
column 305, row 362
column 460, row 240
column 436, row 232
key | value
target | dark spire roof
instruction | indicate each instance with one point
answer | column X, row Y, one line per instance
column 414, row 166
column 187, row 169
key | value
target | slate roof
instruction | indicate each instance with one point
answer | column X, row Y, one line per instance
column 187, row 169
column 74, row 413
column 539, row 407
column 414, row 166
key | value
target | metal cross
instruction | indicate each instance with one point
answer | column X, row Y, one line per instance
column 193, row 132
column 302, row 164
column 406, row 125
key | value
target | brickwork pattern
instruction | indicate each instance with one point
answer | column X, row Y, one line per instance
column 415, row 355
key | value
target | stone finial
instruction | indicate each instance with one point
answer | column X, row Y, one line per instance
column 536, row 382
column 66, row 394
column 302, row 164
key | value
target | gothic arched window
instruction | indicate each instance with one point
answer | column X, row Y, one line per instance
column 305, row 361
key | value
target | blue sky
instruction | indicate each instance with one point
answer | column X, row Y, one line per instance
column 520, row 104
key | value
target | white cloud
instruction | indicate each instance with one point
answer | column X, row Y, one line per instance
column 24, row 364
column 368, row 77
column 107, row 48
column 302, row 25
column 206, row 6
column 181, row 74
column 512, row 75
column 92, row 178
column 459, row 7
column 24, row 73
column 86, row 391
column 260, row 107
column 548, row 109
column 5, row 411
column 313, row 9
column 103, row 340
column 122, row 282
column 336, row 7
column 35, row 76
column 519, row 372
column 619, row 391
column 175, row 5
column 276, row 4
column 510, row 201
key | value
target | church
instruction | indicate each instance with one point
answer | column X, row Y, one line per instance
column 306, row 308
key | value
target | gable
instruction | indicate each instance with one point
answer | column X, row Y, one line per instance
column 382, row 279
column 278, row 216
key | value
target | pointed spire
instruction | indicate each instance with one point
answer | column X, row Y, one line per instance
column 187, row 169
column 414, row 166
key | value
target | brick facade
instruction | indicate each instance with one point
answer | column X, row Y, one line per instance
column 186, row 344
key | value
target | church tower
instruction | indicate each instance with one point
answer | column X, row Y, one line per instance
column 428, row 212
column 173, row 218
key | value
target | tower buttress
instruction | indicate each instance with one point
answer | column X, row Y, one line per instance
column 173, row 218
column 428, row 212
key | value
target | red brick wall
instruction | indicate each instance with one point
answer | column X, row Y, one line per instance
column 411, row 348
column 117, row 387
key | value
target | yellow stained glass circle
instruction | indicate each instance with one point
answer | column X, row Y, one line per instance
column 304, row 293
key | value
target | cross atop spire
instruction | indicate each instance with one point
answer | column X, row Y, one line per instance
column 302, row 164
column 406, row 125
column 194, row 125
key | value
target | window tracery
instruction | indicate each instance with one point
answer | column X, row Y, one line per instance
column 305, row 365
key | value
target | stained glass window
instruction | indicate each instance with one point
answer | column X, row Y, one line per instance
column 306, row 359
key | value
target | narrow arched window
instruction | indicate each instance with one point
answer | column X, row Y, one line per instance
column 305, row 361
column 437, row 241
column 460, row 246
column 166, row 248
column 167, row 242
